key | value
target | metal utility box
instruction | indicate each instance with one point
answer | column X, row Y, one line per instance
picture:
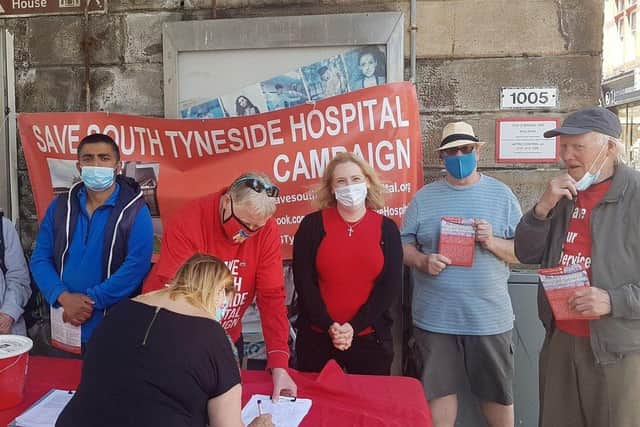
column 528, row 335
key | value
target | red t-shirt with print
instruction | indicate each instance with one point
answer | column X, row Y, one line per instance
column 256, row 266
column 577, row 245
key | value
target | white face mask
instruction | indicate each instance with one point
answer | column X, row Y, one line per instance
column 588, row 179
column 352, row 195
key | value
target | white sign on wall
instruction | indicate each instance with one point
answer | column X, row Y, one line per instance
column 521, row 140
column 528, row 97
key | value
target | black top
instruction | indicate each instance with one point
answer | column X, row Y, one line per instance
column 374, row 312
column 146, row 366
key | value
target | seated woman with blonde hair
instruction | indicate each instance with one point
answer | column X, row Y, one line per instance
column 162, row 358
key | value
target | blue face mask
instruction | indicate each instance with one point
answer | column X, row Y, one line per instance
column 220, row 311
column 97, row 178
column 461, row 166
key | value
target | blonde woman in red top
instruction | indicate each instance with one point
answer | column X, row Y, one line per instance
column 347, row 266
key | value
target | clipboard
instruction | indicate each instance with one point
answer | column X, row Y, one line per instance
column 15, row 423
column 288, row 412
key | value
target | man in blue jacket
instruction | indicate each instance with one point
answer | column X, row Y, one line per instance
column 95, row 242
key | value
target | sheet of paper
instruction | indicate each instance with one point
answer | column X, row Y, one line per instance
column 64, row 336
column 45, row 412
column 288, row 412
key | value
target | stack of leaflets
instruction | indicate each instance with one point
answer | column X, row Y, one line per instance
column 457, row 240
column 560, row 283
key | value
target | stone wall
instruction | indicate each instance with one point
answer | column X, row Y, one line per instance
column 467, row 51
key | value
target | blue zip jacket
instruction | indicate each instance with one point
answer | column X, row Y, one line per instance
column 83, row 262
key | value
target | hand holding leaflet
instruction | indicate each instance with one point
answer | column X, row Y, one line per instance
column 560, row 284
column 591, row 301
column 64, row 336
column 457, row 240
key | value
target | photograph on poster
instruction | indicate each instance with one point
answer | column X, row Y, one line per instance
column 357, row 69
column 366, row 67
column 63, row 173
column 211, row 109
column 326, row 78
column 247, row 102
column 284, row 91
column 224, row 65
column 146, row 175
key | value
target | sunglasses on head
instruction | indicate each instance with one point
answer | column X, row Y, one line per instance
column 464, row 149
column 258, row 186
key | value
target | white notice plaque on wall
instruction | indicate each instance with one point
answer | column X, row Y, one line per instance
column 528, row 97
column 521, row 140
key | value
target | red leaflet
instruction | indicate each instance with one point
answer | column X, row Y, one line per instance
column 560, row 283
column 457, row 240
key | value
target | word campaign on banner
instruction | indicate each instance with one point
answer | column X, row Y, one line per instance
column 176, row 160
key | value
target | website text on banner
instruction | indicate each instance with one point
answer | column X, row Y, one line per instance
column 176, row 160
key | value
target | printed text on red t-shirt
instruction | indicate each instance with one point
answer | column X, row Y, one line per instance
column 232, row 315
column 578, row 258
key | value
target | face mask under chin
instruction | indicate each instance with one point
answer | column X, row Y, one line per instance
column 588, row 179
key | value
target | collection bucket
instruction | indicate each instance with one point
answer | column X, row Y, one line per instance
column 14, row 361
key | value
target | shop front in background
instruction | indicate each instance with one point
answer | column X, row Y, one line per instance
column 621, row 94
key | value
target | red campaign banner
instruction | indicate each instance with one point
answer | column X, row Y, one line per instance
column 176, row 160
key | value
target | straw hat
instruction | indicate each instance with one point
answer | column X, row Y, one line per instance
column 458, row 134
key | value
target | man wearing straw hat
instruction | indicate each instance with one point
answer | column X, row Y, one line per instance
column 462, row 314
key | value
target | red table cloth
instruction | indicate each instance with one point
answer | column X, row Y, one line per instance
column 339, row 400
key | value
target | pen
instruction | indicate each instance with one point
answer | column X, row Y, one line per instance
column 259, row 407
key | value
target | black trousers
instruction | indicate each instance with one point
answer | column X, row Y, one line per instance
column 367, row 355
column 240, row 347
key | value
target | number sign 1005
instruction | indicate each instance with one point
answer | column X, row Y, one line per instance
column 528, row 98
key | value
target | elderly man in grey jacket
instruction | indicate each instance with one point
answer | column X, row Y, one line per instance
column 15, row 288
column 589, row 369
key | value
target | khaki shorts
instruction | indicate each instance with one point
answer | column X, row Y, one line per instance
column 446, row 362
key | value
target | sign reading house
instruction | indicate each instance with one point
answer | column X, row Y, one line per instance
column 13, row 8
